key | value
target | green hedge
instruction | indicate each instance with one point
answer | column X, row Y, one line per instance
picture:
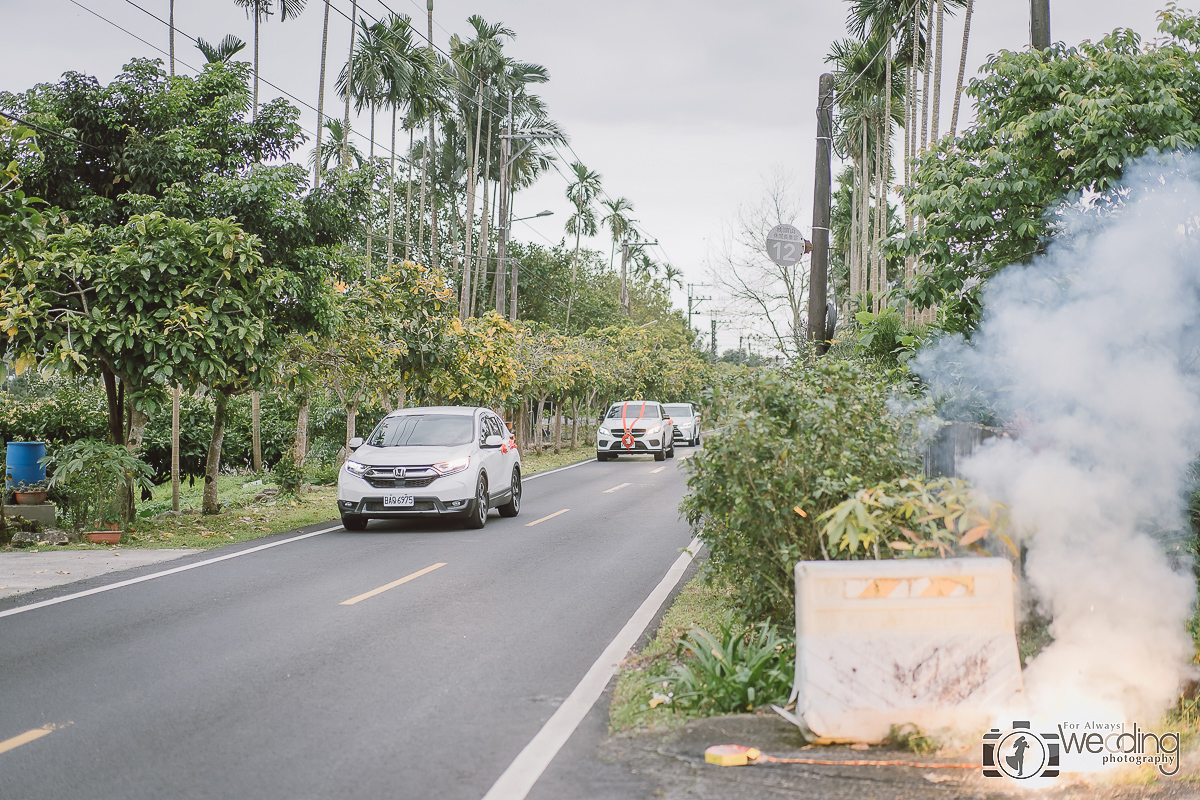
column 807, row 438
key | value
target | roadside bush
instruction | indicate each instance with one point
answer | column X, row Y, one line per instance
column 805, row 438
column 739, row 669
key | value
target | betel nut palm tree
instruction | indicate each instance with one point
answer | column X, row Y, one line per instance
column 261, row 9
column 582, row 192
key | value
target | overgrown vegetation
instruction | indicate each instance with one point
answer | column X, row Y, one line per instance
column 797, row 442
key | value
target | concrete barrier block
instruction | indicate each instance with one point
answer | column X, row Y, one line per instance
column 930, row 642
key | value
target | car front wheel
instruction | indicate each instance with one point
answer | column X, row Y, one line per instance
column 661, row 455
column 354, row 522
column 477, row 516
column 513, row 506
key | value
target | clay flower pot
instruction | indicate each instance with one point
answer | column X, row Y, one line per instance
column 104, row 537
column 30, row 498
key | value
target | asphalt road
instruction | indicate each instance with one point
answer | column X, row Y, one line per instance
column 252, row 678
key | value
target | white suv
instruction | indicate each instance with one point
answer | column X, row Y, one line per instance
column 635, row 427
column 435, row 461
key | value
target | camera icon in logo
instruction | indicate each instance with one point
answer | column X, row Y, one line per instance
column 1020, row 753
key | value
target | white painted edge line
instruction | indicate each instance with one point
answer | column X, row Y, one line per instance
column 120, row 584
column 520, row 776
column 560, row 469
column 619, row 486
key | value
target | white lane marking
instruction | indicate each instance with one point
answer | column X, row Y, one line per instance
column 621, row 486
column 392, row 585
column 560, row 469
column 543, row 519
column 10, row 612
column 516, row 781
column 660, row 469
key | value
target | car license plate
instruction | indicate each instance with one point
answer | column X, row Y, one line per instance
column 397, row 500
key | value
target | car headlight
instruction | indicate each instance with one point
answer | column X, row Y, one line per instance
column 603, row 432
column 355, row 468
column 655, row 429
column 451, row 467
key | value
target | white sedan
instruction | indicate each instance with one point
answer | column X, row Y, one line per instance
column 433, row 461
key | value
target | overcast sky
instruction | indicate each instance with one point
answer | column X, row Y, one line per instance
column 683, row 107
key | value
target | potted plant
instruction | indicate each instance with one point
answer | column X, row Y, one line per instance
column 30, row 494
column 89, row 474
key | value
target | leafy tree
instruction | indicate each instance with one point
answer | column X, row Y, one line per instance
column 21, row 224
column 1052, row 126
column 157, row 301
column 120, row 144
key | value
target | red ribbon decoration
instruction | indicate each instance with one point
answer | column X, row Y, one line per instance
column 627, row 439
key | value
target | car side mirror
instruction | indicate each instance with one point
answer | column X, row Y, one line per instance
column 493, row 441
column 356, row 443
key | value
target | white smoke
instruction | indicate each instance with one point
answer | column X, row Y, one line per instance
column 1092, row 352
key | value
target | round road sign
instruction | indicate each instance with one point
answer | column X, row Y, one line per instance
column 785, row 245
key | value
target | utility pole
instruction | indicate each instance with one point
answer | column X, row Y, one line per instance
column 818, row 267
column 693, row 302
column 1039, row 24
column 713, row 344
column 502, row 245
column 433, row 215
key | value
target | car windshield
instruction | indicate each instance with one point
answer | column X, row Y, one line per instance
column 635, row 409
column 680, row 410
column 411, row 430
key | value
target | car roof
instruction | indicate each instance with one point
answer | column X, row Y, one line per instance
column 465, row 411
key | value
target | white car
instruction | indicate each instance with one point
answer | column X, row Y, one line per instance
column 635, row 427
column 431, row 462
column 687, row 422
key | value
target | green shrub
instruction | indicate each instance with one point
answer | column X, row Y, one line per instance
column 739, row 669
column 86, row 475
column 288, row 476
column 807, row 437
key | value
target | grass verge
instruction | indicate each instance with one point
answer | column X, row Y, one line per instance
column 698, row 605
column 243, row 518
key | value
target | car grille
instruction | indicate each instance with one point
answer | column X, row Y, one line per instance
column 622, row 431
column 425, row 505
column 390, row 477
column 398, row 483
column 619, row 446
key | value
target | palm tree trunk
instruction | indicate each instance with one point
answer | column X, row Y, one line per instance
column 482, row 258
column 172, row 22
column 421, row 201
column 937, row 73
column 464, row 300
column 928, row 74
column 880, row 213
column 853, row 262
column 349, row 72
column 887, row 163
column 321, row 97
column 408, row 198
column 574, row 269
column 962, row 65
column 254, row 115
column 864, row 253
column 433, row 226
column 370, row 205
column 392, row 194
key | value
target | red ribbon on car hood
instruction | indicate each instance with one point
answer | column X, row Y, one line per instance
column 627, row 439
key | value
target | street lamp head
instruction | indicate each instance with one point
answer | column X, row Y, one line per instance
column 539, row 214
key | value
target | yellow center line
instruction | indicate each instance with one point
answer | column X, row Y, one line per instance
column 543, row 519
column 391, row 585
column 25, row 738
column 622, row 486
column 660, row 469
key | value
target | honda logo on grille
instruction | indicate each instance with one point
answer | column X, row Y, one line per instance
column 399, row 472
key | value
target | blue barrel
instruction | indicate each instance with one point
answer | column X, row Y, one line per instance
column 22, row 463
